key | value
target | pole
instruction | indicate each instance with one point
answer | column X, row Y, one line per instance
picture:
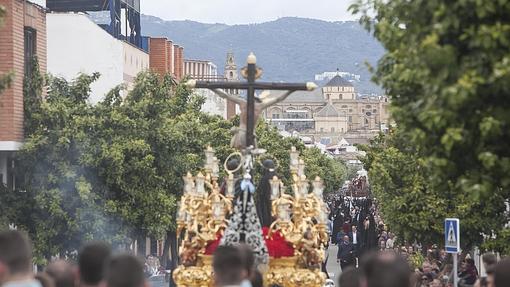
column 455, row 274
column 250, row 141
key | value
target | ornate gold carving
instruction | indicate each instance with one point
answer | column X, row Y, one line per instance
column 301, row 218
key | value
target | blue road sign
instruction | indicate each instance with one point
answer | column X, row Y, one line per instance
column 452, row 235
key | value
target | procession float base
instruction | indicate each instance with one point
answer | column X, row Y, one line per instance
column 284, row 272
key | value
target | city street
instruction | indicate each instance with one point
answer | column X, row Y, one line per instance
column 333, row 267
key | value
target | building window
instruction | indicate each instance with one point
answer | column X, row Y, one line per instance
column 350, row 110
column 350, row 119
column 30, row 48
column 276, row 116
column 366, row 121
column 344, row 107
column 322, row 130
column 332, row 130
column 231, row 75
column 368, row 106
column 375, row 111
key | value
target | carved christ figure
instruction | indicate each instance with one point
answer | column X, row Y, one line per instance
column 262, row 102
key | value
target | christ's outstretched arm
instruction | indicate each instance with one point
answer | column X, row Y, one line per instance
column 223, row 94
column 274, row 99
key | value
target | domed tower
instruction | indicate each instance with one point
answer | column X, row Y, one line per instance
column 231, row 74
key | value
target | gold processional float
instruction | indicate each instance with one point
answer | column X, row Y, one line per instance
column 301, row 219
column 287, row 235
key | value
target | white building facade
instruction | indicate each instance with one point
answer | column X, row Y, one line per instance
column 206, row 71
column 77, row 45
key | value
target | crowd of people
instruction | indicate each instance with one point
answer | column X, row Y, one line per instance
column 364, row 240
column 368, row 256
column 98, row 266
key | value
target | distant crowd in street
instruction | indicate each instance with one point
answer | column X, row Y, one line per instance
column 369, row 255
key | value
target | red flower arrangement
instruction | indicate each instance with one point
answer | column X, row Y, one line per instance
column 276, row 244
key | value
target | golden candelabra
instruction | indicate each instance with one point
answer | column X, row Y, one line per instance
column 300, row 218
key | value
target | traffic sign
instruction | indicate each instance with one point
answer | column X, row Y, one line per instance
column 452, row 235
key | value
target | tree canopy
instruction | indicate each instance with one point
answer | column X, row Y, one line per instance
column 446, row 70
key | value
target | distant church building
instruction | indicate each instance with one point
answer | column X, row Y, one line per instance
column 330, row 111
column 230, row 73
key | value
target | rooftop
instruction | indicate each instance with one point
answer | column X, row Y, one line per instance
column 314, row 96
column 338, row 81
column 328, row 111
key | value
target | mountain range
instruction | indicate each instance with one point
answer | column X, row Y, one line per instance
column 288, row 49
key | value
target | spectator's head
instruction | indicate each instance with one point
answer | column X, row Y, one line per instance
column 351, row 277
column 124, row 270
column 92, row 260
column 62, row 273
column 490, row 276
column 15, row 256
column 228, row 266
column 354, row 228
column 502, row 273
column 346, row 238
column 248, row 260
column 436, row 283
column 256, row 279
column 468, row 263
column 489, row 259
column 382, row 244
column 426, row 267
column 386, row 270
column 45, row 279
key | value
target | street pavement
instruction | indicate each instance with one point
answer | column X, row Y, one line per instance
column 332, row 266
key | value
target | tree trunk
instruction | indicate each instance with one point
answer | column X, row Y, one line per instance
column 141, row 243
column 171, row 238
column 166, row 248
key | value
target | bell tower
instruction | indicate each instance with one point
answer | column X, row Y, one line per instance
column 231, row 76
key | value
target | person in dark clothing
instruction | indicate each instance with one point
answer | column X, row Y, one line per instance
column 337, row 226
column 345, row 253
column 468, row 274
column 263, row 194
column 501, row 273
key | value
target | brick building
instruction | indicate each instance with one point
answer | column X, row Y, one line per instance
column 22, row 36
column 166, row 57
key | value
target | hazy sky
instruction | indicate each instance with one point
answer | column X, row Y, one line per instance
column 246, row 11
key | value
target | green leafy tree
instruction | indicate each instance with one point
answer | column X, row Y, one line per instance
column 62, row 203
column 446, row 70
column 412, row 206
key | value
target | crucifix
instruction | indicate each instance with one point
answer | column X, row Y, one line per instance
column 252, row 106
column 244, row 224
